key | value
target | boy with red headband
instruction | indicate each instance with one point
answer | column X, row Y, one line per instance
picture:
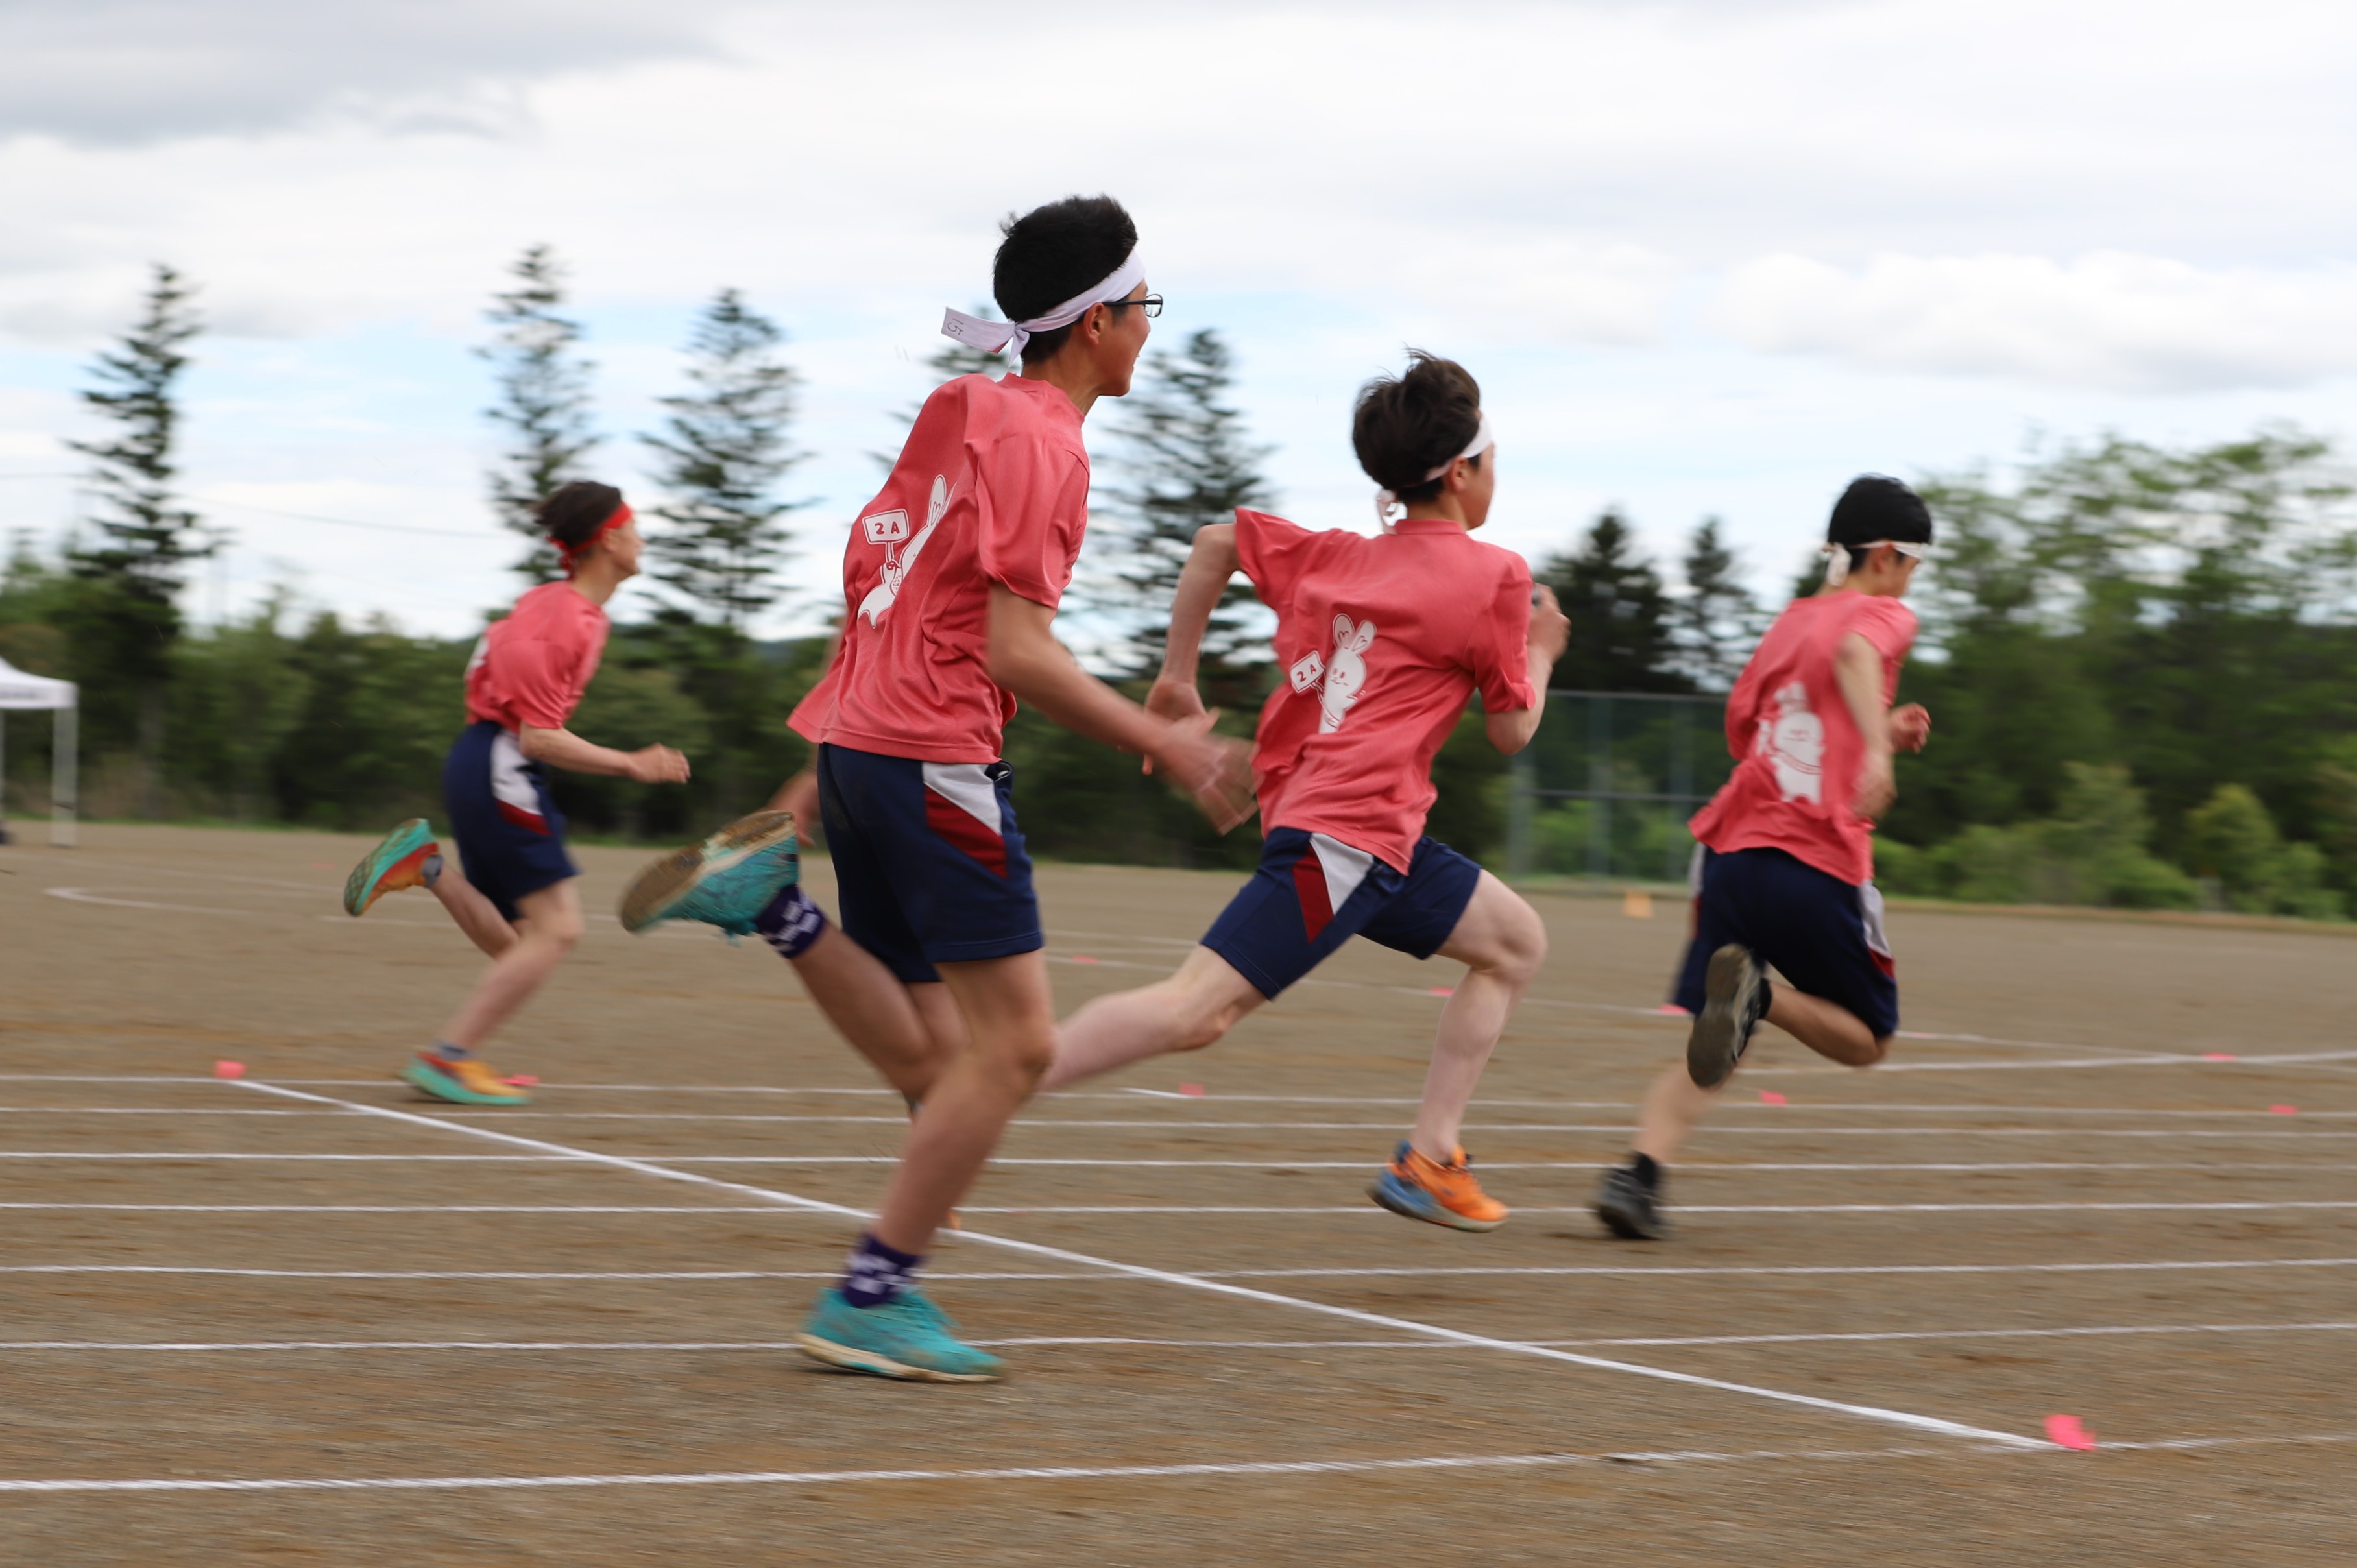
column 1384, row 641
column 516, row 898
column 1783, row 870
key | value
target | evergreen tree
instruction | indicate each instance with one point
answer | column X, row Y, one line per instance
column 1620, row 634
column 543, row 407
column 947, row 363
column 127, row 619
column 1184, row 460
column 719, row 456
column 1719, row 621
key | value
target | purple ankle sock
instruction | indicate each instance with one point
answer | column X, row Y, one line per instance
column 877, row 1274
column 790, row 922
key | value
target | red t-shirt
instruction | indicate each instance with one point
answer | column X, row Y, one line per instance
column 1796, row 747
column 531, row 668
column 1382, row 641
column 992, row 487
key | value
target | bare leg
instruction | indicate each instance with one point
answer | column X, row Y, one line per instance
column 1502, row 941
column 1185, row 1013
column 477, row 916
column 550, row 926
column 1826, row 1028
column 1010, row 1017
column 908, row 1032
column 1674, row 1106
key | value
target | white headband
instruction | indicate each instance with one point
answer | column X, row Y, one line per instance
column 1482, row 441
column 1837, row 557
column 998, row 336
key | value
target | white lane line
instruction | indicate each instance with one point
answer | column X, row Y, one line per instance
column 683, row 1347
column 1690, row 1169
column 1631, row 1271
column 399, row 1208
column 2270, row 1205
column 1221, row 1287
column 1127, row 1472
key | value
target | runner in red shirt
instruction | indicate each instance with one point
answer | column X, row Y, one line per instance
column 516, row 898
column 1785, row 853
column 1382, row 641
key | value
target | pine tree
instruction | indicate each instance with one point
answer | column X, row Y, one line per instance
column 128, row 616
column 1185, row 460
column 544, row 403
column 1621, row 639
column 947, row 363
column 1718, row 621
column 719, row 458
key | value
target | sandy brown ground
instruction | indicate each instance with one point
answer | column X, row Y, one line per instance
column 138, row 960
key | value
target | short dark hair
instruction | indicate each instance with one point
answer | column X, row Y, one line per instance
column 573, row 511
column 1406, row 426
column 1877, row 507
column 1052, row 253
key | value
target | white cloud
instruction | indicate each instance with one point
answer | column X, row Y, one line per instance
column 2110, row 321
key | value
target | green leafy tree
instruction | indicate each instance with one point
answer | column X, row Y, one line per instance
column 125, row 623
column 1182, row 460
column 1621, row 637
column 719, row 456
column 1718, row 622
column 543, row 410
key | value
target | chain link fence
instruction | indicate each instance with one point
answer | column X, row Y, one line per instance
column 1605, row 787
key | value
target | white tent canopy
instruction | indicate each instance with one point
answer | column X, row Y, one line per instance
column 18, row 693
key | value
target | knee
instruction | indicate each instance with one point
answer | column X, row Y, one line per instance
column 560, row 936
column 1521, row 950
column 1876, row 1053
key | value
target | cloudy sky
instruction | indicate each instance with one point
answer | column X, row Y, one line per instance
column 1707, row 256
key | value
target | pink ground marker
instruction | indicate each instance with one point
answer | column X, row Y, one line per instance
column 2285, row 1110
column 2067, row 1432
column 1083, row 957
column 2219, row 1056
column 228, row 1069
column 1444, row 991
column 521, row 1080
column 1769, row 1097
column 1672, row 1010
column 1194, row 1090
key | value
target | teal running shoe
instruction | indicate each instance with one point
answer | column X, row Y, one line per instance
column 397, row 861
column 724, row 881
column 910, row 1339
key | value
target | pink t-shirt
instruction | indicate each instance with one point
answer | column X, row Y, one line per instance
column 1381, row 642
column 1796, row 747
column 992, row 487
column 531, row 668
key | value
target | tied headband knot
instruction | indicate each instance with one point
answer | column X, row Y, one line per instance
column 1387, row 501
column 571, row 553
column 1009, row 336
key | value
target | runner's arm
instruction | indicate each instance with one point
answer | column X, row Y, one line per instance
column 1550, row 631
column 563, row 748
column 1858, row 670
column 1210, row 568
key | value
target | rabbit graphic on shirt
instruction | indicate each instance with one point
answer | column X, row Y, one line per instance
column 890, row 528
column 1346, row 672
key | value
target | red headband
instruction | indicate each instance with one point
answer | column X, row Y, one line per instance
column 572, row 553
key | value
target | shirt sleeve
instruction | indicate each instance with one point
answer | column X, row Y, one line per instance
column 1273, row 554
column 1034, row 512
column 1501, row 661
column 1888, row 625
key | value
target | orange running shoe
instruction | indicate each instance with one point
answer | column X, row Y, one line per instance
column 397, row 861
column 1437, row 1194
column 466, row 1081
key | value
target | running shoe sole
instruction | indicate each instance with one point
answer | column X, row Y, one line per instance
column 657, row 890
column 1408, row 1199
column 418, row 1076
column 1723, row 1027
column 1627, row 1217
column 405, row 847
column 876, row 1364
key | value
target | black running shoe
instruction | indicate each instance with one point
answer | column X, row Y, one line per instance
column 1735, row 992
column 1630, row 1208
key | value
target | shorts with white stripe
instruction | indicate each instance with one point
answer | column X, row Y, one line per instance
column 1313, row 893
column 929, row 865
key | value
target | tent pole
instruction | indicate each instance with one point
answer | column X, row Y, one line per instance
column 63, row 775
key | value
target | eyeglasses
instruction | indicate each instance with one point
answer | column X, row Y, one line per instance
column 1152, row 302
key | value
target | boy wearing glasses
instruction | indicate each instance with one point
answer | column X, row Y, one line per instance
column 1784, row 853
column 951, row 578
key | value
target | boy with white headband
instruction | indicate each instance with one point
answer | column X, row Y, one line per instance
column 1383, row 640
column 951, row 579
column 516, row 898
column 1784, row 853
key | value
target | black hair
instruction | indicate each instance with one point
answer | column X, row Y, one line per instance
column 1052, row 253
column 1877, row 507
column 1406, row 426
column 570, row 513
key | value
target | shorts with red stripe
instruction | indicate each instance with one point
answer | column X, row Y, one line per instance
column 929, row 865
column 1313, row 893
column 1824, row 935
column 511, row 837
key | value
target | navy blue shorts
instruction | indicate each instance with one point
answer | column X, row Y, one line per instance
column 1823, row 934
column 929, row 865
column 510, row 834
column 1313, row 893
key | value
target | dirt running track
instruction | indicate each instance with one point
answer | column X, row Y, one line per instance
column 1879, row 1294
